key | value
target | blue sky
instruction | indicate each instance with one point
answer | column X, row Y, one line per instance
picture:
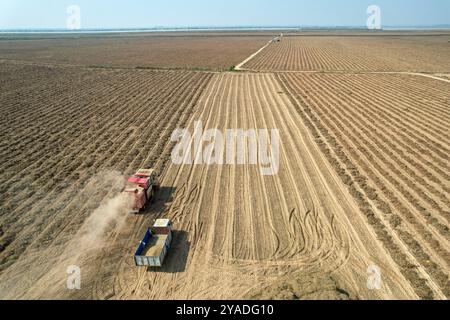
column 169, row 13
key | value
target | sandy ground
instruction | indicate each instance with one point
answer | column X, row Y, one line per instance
column 394, row 164
column 74, row 154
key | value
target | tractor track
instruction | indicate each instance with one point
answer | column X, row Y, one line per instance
column 311, row 103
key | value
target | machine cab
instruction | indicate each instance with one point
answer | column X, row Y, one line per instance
column 141, row 187
column 144, row 178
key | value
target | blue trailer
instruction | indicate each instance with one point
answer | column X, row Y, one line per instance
column 156, row 244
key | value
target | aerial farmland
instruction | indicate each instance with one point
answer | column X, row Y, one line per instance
column 361, row 183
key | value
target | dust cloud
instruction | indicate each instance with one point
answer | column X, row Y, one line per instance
column 106, row 218
column 49, row 276
column 109, row 216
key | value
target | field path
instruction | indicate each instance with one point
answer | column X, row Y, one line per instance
column 240, row 65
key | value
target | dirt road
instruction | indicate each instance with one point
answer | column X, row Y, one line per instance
column 240, row 234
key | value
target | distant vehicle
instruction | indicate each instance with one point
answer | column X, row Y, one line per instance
column 156, row 244
column 141, row 188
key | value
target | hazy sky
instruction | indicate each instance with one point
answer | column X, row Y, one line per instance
column 150, row 13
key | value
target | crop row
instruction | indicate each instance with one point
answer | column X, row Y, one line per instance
column 353, row 144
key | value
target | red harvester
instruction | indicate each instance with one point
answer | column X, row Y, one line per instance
column 142, row 188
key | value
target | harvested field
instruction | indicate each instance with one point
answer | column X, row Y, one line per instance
column 244, row 232
column 356, row 53
column 68, row 135
column 215, row 52
column 388, row 138
column 363, row 181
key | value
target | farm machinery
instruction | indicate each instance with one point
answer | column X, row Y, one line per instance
column 152, row 250
column 141, row 187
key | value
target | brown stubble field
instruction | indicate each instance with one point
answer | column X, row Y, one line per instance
column 219, row 52
column 61, row 128
column 364, row 168
column 429, row 54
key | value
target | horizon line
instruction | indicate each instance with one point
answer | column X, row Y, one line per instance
column 225, row 28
